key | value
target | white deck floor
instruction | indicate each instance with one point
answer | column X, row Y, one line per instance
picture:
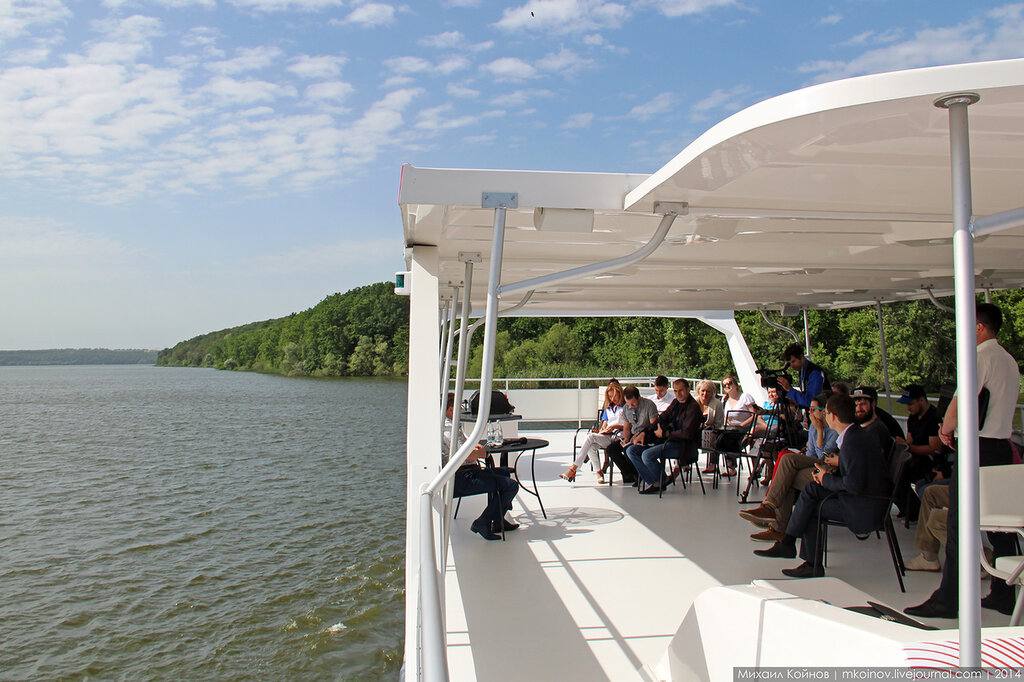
column 598, row 589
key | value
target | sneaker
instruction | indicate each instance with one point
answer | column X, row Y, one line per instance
column 920, row 563
column 770, row 535
column 760, row 516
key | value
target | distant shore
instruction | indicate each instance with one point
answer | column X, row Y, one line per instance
column 77, row 356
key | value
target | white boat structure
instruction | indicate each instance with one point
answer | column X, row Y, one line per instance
column 889, row 187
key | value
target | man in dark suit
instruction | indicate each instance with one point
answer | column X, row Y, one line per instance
column 854, row 494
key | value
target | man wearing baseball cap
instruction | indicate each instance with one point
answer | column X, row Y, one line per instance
column 874, row 419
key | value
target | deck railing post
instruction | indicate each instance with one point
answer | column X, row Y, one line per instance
column 967, row 381
column 446, row 367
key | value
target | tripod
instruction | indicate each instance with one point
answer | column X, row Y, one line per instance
column 783, row 433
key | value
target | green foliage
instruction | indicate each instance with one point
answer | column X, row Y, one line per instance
column 363, row 332
column 77, row 356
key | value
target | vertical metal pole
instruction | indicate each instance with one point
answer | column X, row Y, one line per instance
column 967, row 383
column 445, row 309
column 446, row 368
column 885, row 353
column 807, row 336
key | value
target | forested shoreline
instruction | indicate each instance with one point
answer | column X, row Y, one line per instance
column 365, row 332
column 77, row 356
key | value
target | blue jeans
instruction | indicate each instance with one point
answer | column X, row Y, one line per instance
column 496, row 483
column 646, row 468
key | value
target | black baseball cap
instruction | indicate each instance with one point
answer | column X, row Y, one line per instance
column 865, row 392
column 912, row 392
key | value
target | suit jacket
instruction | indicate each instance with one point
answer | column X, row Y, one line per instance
column 682, row 421
column 863, row 471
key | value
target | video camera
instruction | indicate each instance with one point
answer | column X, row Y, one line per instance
column 770, row 377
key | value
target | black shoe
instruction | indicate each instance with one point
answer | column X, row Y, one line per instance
column 495, row 528
column 998, row 603
column 652, row 490
column 634, row 482
column 804, row 570
column 484, row 529
column 780, row 550
column 930, row 609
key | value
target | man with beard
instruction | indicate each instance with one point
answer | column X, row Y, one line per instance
column 875, row 420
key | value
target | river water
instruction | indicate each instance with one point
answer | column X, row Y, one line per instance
column 195, row 524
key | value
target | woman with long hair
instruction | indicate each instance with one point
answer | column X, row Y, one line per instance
column 712, row 409
column 602, row 434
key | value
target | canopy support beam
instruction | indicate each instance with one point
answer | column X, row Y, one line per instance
column 967, row 381
column 884, row 352
column 807, row 335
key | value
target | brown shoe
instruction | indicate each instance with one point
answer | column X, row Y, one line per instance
column 770, row 535
column 761, row 516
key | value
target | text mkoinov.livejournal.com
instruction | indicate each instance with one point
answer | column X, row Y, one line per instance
column 869, row 674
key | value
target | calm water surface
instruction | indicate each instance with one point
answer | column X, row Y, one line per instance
column 196, row 524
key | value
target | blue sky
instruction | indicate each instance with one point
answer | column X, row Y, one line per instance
column 170, row 167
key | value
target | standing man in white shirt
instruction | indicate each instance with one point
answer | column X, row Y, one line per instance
column 999, row 375
column 662, row 396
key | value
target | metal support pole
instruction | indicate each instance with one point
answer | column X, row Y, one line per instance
column 446, row 305
column 967, row 381
column 807, row 335
column 885, row 353
column 460, row 361
column 446, row 368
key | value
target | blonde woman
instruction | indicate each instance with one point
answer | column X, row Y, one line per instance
column 602, row 435
column 712, row 409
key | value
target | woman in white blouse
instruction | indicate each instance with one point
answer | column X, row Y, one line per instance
column 601, row 437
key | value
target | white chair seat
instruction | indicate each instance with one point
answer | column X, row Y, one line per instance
column 1002, row 521
column 1007, row 564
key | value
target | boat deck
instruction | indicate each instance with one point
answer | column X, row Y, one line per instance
column 599, row 588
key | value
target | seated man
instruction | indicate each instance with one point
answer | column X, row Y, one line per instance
column 474, row 479
column 662, row 397
column 792, row 474
column 874, row 419
column 931, row 528
column 640, row 416
column 679, row 427
column 924, row 446
column 856, row 494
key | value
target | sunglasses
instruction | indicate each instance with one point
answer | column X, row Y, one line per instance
column 727, row 384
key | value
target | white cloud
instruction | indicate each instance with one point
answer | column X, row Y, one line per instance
column 830, row 20
column 454, row 40
column 593, row 39
column 398, row 82
column 679, row 8
column 659, row 105
column 461, row 3
column 317, row 66
column 564, row 62
column 249, row 91
column 37, row 53
column 564, row 16
column 725, row 100
column 329, row 90
column 461, row 91
column 509, row 69
column 517, row 98
column 452, row 64
column 18, row 18
column 246, row 59
column 441, row 118
column 124, row 40
column 371, row 15
column 171, row 4
column 994, row 35
column 28, row 243
column 407, row 65
column 286, row 5
column 577, row 121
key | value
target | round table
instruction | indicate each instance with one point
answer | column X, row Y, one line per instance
column 518, row 447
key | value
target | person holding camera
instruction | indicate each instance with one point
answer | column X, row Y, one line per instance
column 856, row 493
column 812, row 377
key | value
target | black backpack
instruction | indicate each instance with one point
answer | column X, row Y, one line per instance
column 499, row 403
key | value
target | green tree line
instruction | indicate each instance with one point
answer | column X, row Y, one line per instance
column 364, row 332
column 78, row 356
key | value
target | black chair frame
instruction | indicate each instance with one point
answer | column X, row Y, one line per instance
column 743, row 433
column 898, row 459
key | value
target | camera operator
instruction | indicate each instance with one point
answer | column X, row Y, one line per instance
column 812, row 377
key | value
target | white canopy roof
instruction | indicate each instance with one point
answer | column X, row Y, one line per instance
column 833, row 195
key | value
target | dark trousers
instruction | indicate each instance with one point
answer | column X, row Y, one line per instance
column 803, row 523
column 496, row 483
column 991, row 452
column 616, row 454
column 919, row 468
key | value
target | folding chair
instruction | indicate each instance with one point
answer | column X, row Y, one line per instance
column 998, row 488
column 740, row 434
column 898, row 458
column 692, row 456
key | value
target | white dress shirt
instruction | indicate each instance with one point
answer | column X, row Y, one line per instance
column 998, row 372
